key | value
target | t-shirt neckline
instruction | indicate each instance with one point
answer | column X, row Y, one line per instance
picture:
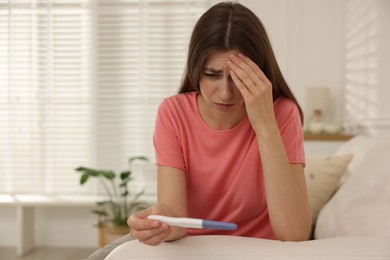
column 242, row 123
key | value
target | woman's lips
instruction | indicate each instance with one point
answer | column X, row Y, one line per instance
column 223, row 106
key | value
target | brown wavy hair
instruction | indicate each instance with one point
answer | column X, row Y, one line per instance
column 232, row 26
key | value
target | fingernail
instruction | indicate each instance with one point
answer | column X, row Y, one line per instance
column 163, row 227
column 155, row 224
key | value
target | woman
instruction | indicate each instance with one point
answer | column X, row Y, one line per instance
column 229, row 146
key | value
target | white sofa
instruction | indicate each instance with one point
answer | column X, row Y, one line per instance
column 350, row 202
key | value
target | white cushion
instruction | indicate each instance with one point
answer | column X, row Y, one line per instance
column 362, row 204
column 322, row 178
column 233, row 247
column 358, row 146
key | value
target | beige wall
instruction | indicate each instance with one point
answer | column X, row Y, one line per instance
column 317, row 46
column 307, row 36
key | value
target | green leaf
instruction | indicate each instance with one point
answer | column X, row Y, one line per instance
column 125, row 175
column 110, row 175
column 88, row 171
column 117, row 191
column 84, row 178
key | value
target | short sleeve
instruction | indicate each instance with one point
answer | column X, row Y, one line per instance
column 290, row 126
column 166, row 138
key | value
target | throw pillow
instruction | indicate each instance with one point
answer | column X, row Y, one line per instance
column 322, row 176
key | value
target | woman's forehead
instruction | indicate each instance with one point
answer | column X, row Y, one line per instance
column 217, row 59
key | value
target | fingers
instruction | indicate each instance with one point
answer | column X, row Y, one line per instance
column 255, row 88
column 247, row 76
column 153, row 234
column 141, row 223
column 259, row 73
column 240, row 85
column 150, row 232
column 243, row 71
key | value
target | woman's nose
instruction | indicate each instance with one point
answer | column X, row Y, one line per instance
column 226, row 89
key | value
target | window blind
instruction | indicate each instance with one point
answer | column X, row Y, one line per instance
column 80, row 85
column 140, row 60
column 45, row 95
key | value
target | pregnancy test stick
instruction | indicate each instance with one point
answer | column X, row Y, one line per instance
column 194, row 223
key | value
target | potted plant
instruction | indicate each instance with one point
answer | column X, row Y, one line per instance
column 120, row 203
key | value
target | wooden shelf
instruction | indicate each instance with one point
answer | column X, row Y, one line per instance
column 326, row 137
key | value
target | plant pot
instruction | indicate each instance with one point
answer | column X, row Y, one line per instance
column 110, row 233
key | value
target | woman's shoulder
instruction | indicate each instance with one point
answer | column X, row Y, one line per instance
column 179, row 102
column 283, row 103
column 188, row 97
column 285, row 109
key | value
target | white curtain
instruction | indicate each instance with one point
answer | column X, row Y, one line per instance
column 80, row 82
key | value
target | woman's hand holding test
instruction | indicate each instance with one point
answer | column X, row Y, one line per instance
column 148, row 231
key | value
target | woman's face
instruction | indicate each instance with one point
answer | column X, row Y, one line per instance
column 220, row 99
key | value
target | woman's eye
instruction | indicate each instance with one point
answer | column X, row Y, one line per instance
column 212, row 75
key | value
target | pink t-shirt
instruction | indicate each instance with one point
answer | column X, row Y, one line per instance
column 223, row 168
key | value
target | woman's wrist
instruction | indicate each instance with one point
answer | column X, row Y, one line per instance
column 266, row 130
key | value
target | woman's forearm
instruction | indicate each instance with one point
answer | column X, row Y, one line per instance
column 285, row 188
column 171, row 193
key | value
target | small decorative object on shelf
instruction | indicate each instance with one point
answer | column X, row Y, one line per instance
column 332, row 128
column 316, row 122
column 319, row 124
